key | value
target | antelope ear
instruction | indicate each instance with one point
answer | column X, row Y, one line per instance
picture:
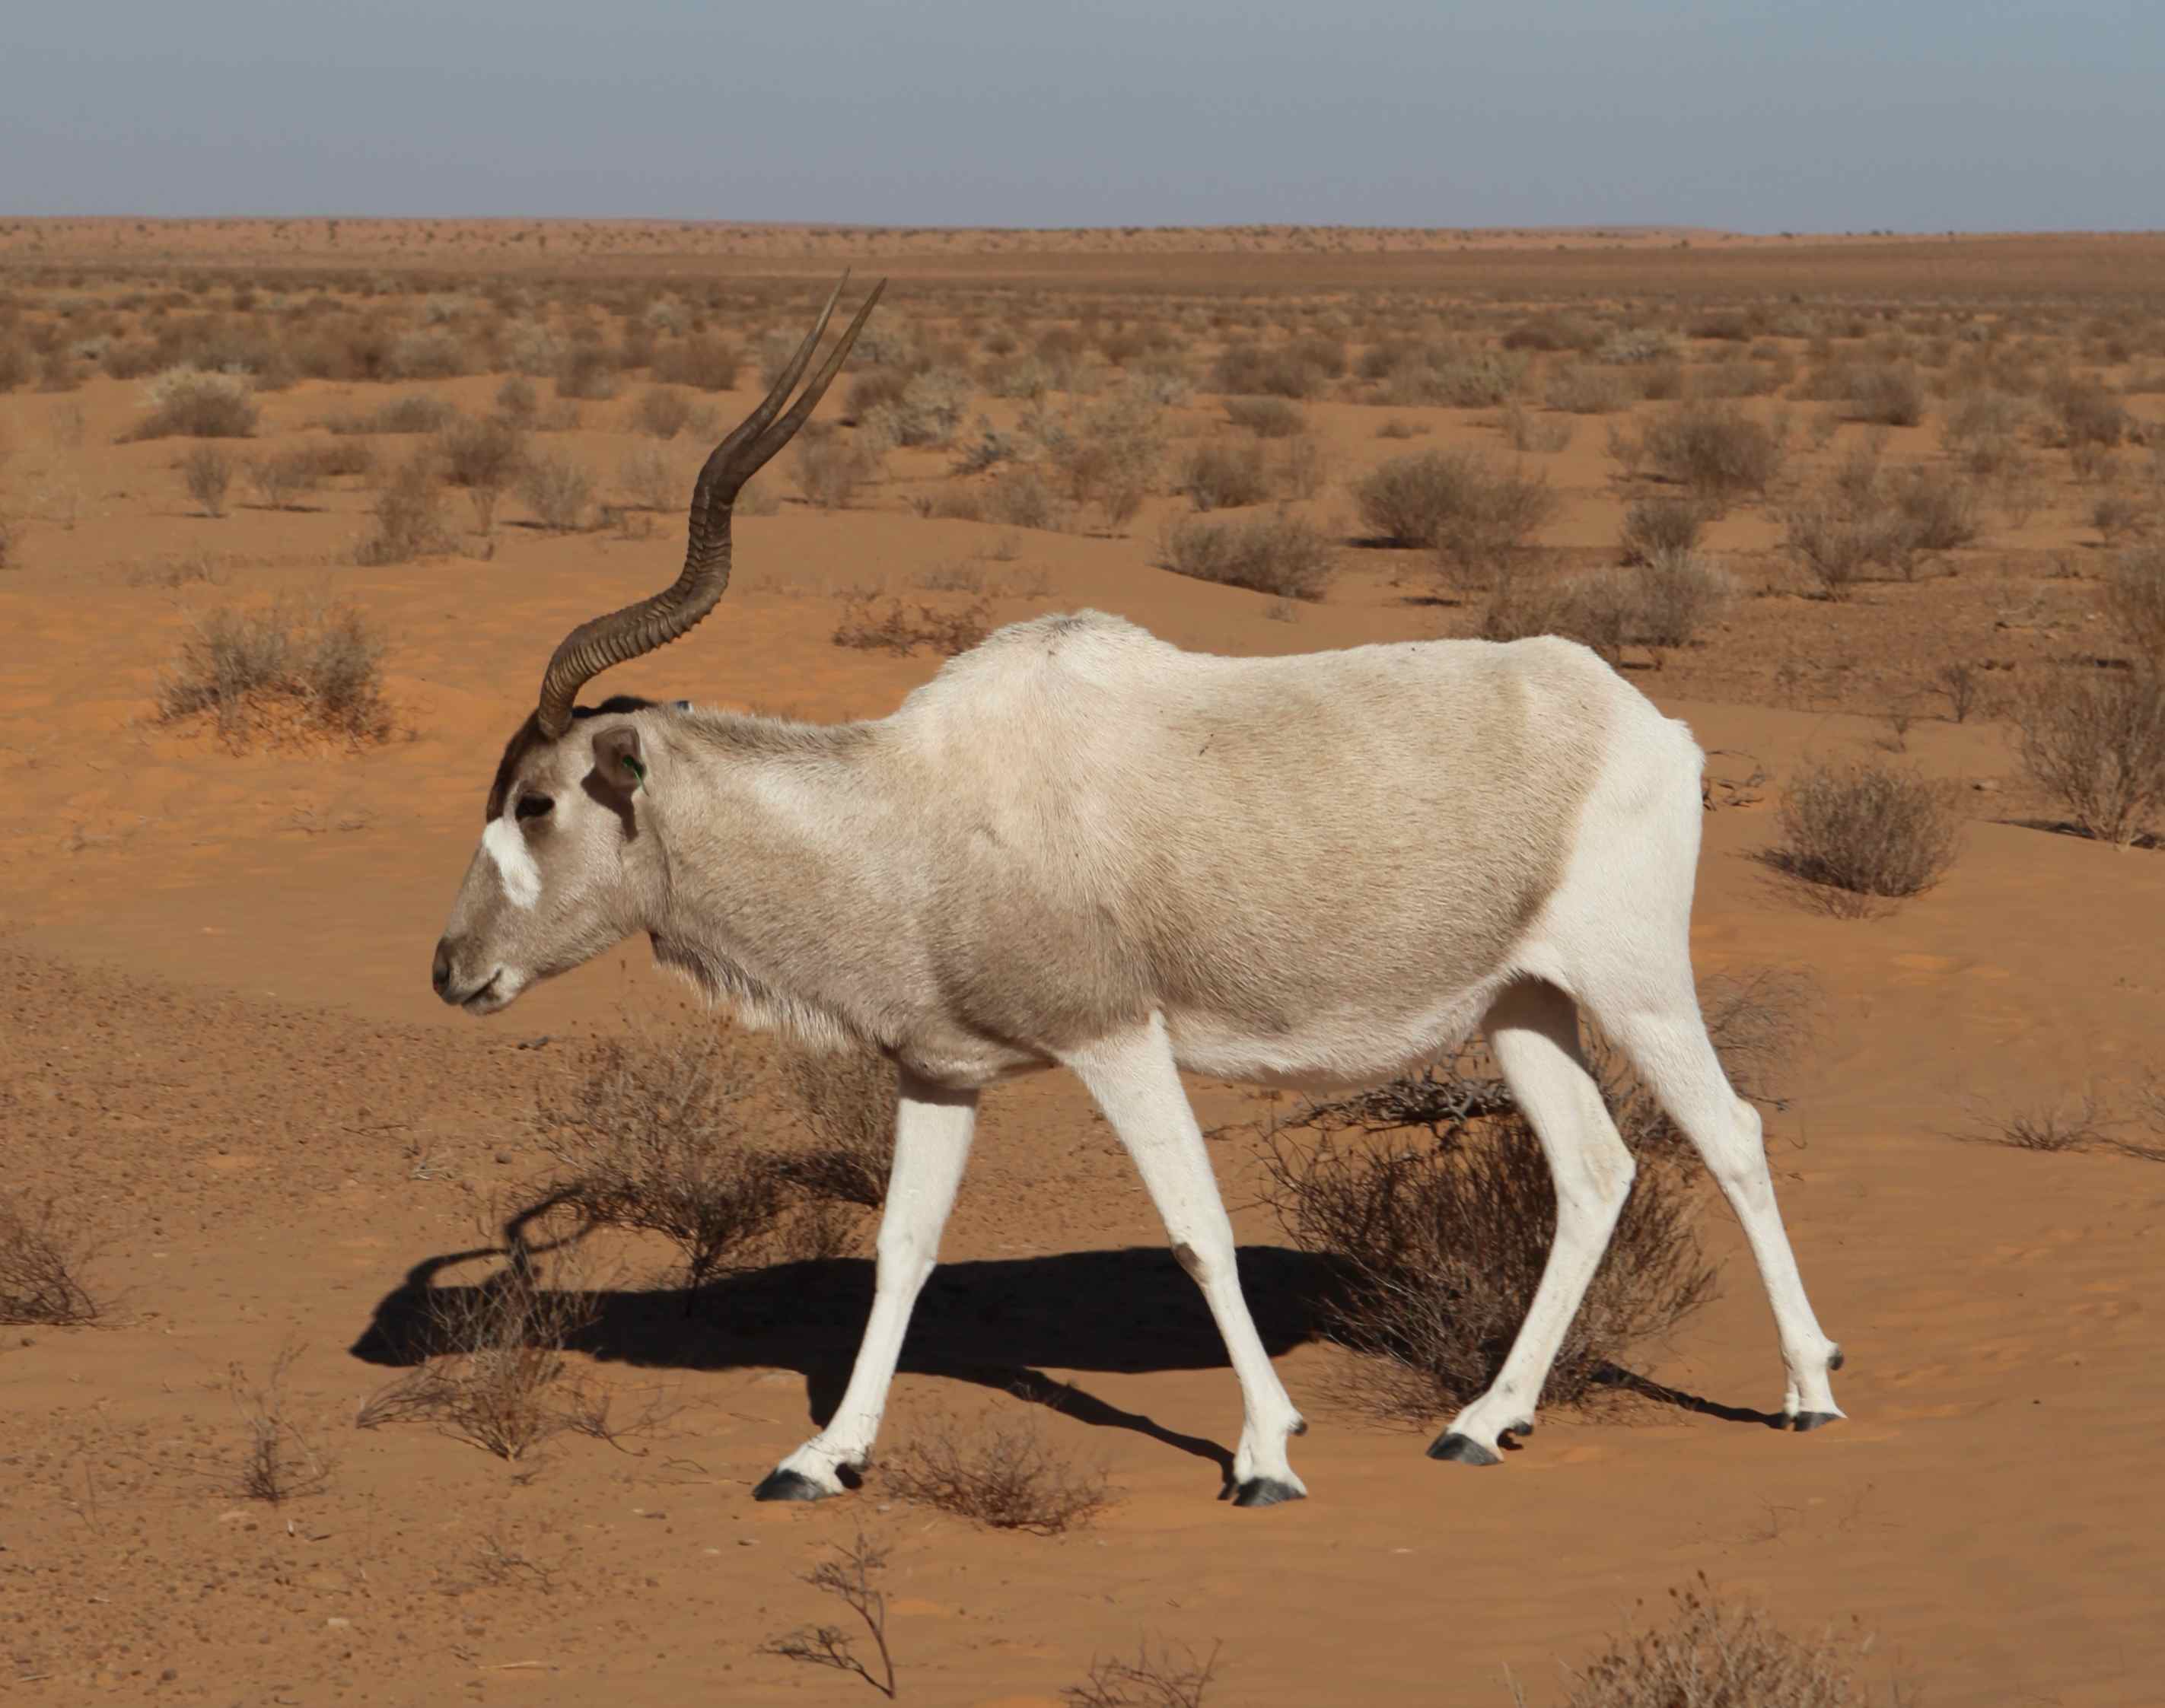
column 618, row 759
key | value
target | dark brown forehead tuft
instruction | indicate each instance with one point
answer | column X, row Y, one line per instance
column 529, row 737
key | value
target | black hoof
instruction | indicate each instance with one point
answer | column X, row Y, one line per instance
column 1461, row 1449
column 1515, row 1437
column 1835, row 1363
column 1265, row 1491
column 788, row 1485
column 1812, row 1420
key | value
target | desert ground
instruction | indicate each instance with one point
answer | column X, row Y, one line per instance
column 291, row 514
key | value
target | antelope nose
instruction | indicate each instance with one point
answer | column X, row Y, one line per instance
column 439, row 968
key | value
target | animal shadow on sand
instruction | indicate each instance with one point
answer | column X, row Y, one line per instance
column 992, row 1322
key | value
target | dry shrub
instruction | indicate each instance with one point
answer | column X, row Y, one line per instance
column 316, row 669
column 1456, row 375
column 847, row 1099
column 197, row 403
column 1227, row 471
column 2095, row 741
column 1109, row 457
column 661, row 412
column 1589, row 391
column 407, row 519
column 652, row 1135
column 1893, row 397
column 831, row 466
column 1021, row 498
column 586, row 371
column 516, row 400
column 925, row 409
column 704, row 364
column 870, row 625
column 1543, row 435
column 480, row 458
column 1266, row 417
column 1278, row 553
column 1439, row 1245
column 415, row 413
column 207, row 471
column 851, row 1578
column 557, row 489
column 42, row 1255
column 1714, row 449
column 498, row 1378
column 1395, row 427
column 2135, row 601
column 1474, row 514
column 1675, row 595
column 950, row 500
column 2081, row 1123
column 286, row 475
column 1004, row 1474
column 1860, row 833
column 1711, row 1654
column 2084, row 413
column 1653, row 526
column 1940, row 510
column 1279, row 370
column 1169, row 1678
column 278, row 1463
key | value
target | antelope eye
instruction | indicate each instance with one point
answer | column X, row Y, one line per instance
column 533, row 806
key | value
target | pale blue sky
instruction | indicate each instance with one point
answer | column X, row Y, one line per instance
column 1757, row 114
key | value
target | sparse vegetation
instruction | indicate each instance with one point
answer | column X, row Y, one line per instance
column 831, row 466
column 1474, row 514
column 558, row 490
column 870, row 624
column 1655, row 525
column 1172, row 1678
column 1714, row 450
column 1279, row 552
column 481, row 457
column 1859, row 833
column 1712, row 1653
column 278, row 1462
column 1003, row 1474
column 852, row 1578
column 43, row 1252
column 207, row 471
column 2134, row 601
column 406, row 520
column 285, row 670
column 196, row 403
column 2094, row 740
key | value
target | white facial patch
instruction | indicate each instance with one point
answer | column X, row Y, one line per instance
column 514, row 862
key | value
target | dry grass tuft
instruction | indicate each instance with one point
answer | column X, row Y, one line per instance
column 847, row 1099
column 2134, row 601
column 407, row 519
column 1169, row 1678
column 481, row 458
column 197, row 403
column 42, row 1255
column 1475, row 516
column 559, row 490
column 287, row 669
column 1859, row 833
column 1711, row 1654
column 832, row 466
column 1005, row 1476
column 1714, row 450
column 278, row 1463
column 207, row 471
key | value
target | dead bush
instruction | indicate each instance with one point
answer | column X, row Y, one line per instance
column 1940, row 510
column 2135, row 601
column 661, row 413
column 1003, row 1474
column 2075, row 1124
column 1525, row 431
column 1590, row 391
column 481, row 457
column 852, row 1578
column 1278, row 370
column 1839, row 542
column 278, row 1463
column 496, row 1378
column 1674, row 596
column 1227, row 472
column 1712, row 1654
column 1859, row 833
column 1472, row 513
column 284, row 476
column 586, row 371
column 832, row 466
column 1109, row 457
column 1169, row 1678
column 1656, row 525
column 1714, row 450
column 1439, row 1246
column 927, row 409
column 1893, row 397
column 206, row 472
column 558, row 490
column 406, row 518
column 650, row 1134
column 43, row 1254
column 413, row 414
column 704, row 364
column 313, row 670
column 2085, row 413
column 516, row 400
column 1276, row 553
column 872, row 625
column 2095, row 741
column 847, row 1099
column 197, row 403
column 1266, row 417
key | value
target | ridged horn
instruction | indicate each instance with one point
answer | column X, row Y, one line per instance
column 656, row 621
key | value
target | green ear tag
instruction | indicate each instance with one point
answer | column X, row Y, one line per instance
column 637, row 770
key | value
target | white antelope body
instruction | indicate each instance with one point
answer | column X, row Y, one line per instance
column 1081, row 847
